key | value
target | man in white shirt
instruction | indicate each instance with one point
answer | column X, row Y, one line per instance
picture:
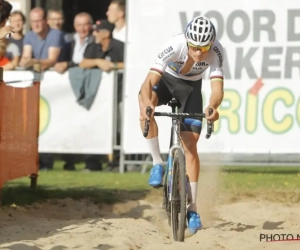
column 116, row 15
column 83, row 36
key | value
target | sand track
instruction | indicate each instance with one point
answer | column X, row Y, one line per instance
column 229, row 223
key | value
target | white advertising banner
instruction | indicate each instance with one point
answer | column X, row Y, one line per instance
column 66, row 126
column 261, row 40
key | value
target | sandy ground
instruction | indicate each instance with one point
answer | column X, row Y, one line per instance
column 228, row 224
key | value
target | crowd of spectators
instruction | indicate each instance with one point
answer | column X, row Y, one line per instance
column 94, row 44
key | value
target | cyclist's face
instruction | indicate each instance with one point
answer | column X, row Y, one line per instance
column 196, row 54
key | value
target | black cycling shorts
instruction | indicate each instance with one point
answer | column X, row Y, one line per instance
column 187, row 93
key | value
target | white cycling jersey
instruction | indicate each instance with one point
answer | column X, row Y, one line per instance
column 174, row 54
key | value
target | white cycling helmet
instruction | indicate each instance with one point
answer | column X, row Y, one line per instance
column 200, row 31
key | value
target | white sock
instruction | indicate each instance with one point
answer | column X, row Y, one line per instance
column 192, row 195
column 154, row 150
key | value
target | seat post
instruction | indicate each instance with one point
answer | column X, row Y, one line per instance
column 173, row 104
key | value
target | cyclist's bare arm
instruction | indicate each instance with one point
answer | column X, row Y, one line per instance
column 168, row 53
column 216, row 81
column 146, row 90
column 217, row 94
column 216, row 97
column 146, row 99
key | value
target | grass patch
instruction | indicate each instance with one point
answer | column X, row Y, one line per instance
column 101, row 187
column 110, row 187
column 268, row 178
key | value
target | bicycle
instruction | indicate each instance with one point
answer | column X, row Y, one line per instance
column 175, row 196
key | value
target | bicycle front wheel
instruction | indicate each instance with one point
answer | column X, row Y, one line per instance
column 178, row 197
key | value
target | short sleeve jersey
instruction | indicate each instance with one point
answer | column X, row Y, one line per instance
column 174, row 55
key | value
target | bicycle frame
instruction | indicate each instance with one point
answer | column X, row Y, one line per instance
column 175, row 139
column 175, row 143
column 170, row 198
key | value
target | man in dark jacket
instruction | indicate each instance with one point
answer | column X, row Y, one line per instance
column 105, row 53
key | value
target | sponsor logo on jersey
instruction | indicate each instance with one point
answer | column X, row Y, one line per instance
column 197, row 68
column 201, row 64
column 158, row 63
column 165, row 52
column 167, row 56
column 219, row 54
column 175, row 66
column 179, row 63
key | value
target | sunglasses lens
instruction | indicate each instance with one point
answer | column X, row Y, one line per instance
column 201, row 48
column 205, row 48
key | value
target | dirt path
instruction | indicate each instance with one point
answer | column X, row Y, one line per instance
column 228, row 224
column 69, row 224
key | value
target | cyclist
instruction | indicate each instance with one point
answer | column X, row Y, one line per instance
column 177, row 72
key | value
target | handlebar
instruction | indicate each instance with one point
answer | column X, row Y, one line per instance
column 210, row 124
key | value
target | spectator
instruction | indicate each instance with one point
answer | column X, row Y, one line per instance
column 116, row 15
column 106, row 53
column 42, row 44
column 17, row 21
column 55, row 20
column 5, row 63
column 4, row 15
column 81, row 39
column 12, row 53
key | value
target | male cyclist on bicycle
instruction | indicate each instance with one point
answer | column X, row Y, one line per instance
column 176, row 73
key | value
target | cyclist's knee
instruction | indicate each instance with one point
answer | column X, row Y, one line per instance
column 190, row 140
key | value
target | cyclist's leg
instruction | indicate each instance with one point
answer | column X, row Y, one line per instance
column 152, row 139
column 160, row 95
column 189, row 141
column 190, row 133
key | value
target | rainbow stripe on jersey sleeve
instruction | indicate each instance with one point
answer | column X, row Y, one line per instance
column 217, row 75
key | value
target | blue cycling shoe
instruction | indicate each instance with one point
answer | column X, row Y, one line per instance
column 194, row 222
column 156, row 176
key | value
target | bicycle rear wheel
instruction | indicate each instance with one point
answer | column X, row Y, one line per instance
column 178, row 197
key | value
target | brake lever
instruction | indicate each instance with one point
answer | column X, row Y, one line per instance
column 210, row 125
column 147, row 122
